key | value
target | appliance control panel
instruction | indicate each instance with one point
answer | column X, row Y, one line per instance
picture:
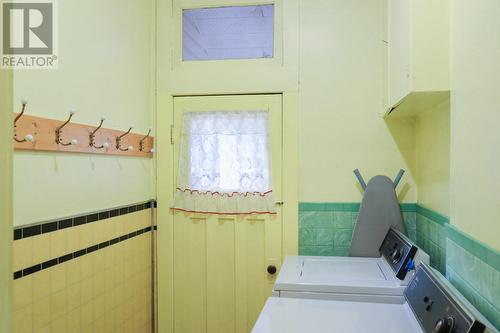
column 399, row 252
column 435, row 307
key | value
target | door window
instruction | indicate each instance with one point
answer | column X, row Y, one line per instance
column 224, row 164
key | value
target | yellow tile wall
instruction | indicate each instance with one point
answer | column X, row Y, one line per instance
column 108, row 290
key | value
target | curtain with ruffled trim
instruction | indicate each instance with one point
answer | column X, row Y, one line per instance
column 224, row 164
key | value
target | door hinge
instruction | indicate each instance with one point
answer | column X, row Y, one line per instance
column 171, row 134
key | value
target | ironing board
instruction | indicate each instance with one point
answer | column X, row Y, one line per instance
column 378, row 212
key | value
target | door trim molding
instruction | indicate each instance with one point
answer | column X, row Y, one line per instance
column 165, row 179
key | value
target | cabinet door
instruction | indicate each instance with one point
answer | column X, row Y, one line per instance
column 399, row 50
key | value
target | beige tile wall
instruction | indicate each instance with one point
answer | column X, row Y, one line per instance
column 108, row 290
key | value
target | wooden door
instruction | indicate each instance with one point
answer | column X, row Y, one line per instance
column 220, row 262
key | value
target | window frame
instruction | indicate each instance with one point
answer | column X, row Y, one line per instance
column 180, row 5
column 272, row 35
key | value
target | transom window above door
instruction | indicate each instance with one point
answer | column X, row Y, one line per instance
column 234, row 32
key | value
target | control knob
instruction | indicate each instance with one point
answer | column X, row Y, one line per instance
column 396, row 256
column 444, row 325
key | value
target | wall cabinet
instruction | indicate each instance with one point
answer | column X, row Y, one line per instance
column 418, row 54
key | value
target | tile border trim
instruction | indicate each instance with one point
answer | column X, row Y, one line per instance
column 36, row 229
column 328, row 206
column 345, row 207
column 482, row 251
column 408, row 207
column 70, row 256
column 432, row 215
column 484, row 306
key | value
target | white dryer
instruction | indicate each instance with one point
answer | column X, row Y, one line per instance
column 430, row 306
column 380, row 279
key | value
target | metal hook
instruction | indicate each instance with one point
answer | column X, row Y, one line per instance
column 119, row 141
column 92, row 137
column 28, row 137
column 73, row 142
column 142, row 145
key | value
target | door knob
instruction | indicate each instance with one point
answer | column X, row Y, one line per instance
column 271, row 269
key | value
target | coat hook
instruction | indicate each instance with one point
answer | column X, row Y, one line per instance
column 73, row 142
column 119, row 141
column 92, row 137
column 142, row 143
column 27, row 137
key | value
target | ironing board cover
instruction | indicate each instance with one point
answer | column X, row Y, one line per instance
column 378, row 212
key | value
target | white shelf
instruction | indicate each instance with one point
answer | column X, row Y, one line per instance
column 416, row 103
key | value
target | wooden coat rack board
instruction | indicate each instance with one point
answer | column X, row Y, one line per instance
column 43, row 133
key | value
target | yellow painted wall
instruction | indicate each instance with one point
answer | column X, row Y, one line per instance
column 475, row 119
column 5, row 200
column 106, row 66
column 433, row 158
column 342, row 89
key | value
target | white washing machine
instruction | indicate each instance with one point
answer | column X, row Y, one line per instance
column 430, row 306
column 380, row 279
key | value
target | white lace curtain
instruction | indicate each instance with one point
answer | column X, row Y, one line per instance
column 224, row 164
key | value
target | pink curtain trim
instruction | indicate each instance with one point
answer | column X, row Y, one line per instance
column 217, row 213
column 232, row 194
